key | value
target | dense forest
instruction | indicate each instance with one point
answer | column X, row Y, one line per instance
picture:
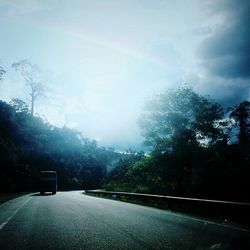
column 28, row 145
column 196, row 150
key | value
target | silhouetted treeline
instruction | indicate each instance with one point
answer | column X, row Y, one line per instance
column 29, row 144
column 197, row 149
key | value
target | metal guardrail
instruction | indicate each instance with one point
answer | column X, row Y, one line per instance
column 167, row 197
column 222, row 210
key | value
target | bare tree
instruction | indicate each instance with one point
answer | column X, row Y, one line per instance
column 2, row 72
column 31, row 74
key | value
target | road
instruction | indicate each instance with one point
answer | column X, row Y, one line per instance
column 71, row 220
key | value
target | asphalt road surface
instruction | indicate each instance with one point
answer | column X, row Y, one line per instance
column 71, row 220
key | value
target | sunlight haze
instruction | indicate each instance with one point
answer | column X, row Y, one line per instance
column 101, row 60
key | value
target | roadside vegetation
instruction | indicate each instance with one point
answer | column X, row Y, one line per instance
column 29, row 144
column 197, row 149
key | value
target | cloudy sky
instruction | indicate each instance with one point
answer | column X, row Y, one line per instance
column 101, row 59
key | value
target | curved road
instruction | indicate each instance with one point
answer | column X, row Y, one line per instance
column 71, row 220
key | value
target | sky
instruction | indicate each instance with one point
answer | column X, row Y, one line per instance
column 102, row 59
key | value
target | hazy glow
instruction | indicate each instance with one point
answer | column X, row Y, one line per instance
column 101, row 59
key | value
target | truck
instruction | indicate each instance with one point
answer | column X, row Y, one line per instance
column 48, row 182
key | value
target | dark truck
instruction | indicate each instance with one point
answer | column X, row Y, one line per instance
column 48, row 182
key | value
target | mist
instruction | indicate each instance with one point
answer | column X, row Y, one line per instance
column 127, row 101
column 101, row 61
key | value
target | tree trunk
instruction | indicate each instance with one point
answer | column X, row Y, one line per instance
column 32, row 104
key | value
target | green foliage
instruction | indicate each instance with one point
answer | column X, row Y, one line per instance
column 180, row 117
column 241, row 115
column 30, row 144
column 147, row 175
column 19, row 105
column 191, row 155
column 182, row 123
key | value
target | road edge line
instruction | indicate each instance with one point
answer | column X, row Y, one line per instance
column 3, row 224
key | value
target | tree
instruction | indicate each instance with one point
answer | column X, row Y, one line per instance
column 181, row 118
column 19, row 105
column 241, row 115
column 2, row 72
column 31, row 75
column 29, row 144
column 183, row 124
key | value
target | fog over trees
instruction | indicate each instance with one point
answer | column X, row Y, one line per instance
column 32, row 77
column 197, row 148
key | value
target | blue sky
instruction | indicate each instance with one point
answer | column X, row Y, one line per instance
column 101, row 60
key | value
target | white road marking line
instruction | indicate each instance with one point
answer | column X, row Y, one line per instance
column 6, row 222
